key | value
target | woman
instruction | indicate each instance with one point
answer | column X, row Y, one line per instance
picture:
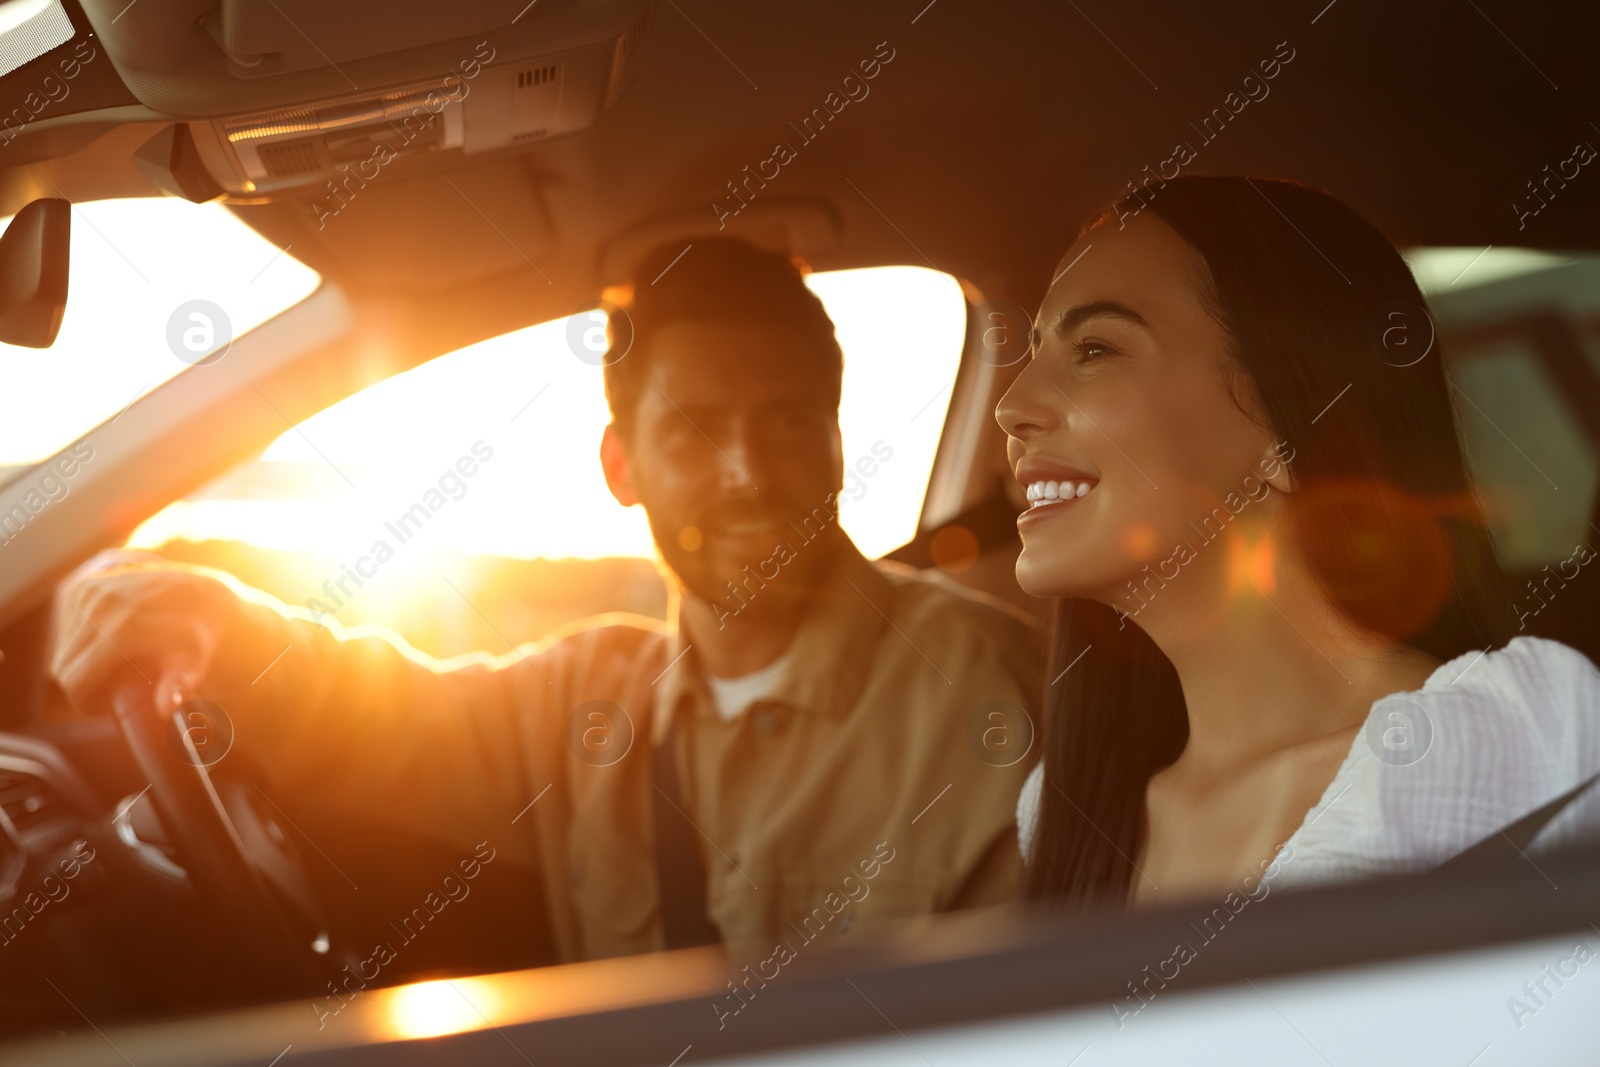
column 1288, row 647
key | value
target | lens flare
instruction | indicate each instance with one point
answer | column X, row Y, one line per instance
column 1383, row 555
column 1139, row 541
column 1253, row 564
column 447, row 1006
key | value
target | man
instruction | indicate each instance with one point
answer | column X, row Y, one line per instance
column 802, row 753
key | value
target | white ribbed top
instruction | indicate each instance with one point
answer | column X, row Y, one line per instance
column 1488, row 738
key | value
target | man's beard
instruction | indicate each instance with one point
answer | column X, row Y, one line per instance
column 804, row 542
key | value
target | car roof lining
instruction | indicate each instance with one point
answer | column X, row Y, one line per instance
column 978, row 150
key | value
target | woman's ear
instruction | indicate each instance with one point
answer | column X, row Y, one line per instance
column 1274, row 466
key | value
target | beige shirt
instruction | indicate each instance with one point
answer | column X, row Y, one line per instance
column 872, row 745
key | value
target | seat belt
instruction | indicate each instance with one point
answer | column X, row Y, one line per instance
column 1509, row 842
column 680, row 868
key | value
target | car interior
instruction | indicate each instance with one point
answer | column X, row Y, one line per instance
column 392, row 225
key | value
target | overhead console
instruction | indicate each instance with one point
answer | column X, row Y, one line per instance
column 285, row 94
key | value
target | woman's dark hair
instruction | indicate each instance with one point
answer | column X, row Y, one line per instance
column 715, row 279
column 1330, row 334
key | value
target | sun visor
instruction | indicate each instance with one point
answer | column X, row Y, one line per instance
column 193, row 59
column 485, row 99
column 473, row 109
column 251, row 31
column 29, row 29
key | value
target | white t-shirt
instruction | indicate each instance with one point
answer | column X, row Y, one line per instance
column 733, row 695
column 1488, row 738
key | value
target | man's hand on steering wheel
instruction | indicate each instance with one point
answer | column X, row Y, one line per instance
column 120, row 614
column 135, row 639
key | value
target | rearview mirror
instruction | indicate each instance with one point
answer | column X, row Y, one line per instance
column 33, row 273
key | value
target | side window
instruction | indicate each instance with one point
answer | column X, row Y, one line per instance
column 1528, row 451
column 1519, row 330
column 462, row 502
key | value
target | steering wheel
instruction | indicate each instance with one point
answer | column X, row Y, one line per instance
column 239, row 858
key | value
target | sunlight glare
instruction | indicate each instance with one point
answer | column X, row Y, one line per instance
column 133, row 262
column 446, row 1006
column 338, row 483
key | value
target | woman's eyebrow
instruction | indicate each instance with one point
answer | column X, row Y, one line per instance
column 1074, row 317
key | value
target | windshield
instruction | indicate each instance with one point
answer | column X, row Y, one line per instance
column 539, row 516
column 136, row 279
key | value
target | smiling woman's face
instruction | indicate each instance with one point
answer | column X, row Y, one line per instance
column 1128, row 394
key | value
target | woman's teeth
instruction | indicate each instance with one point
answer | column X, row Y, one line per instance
column 1040, row 493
